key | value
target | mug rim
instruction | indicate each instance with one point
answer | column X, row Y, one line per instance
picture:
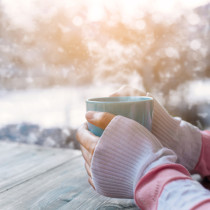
column 99, row 99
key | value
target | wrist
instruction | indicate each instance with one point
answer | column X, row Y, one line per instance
column 150, row 186
column 203, row 164
column 125, row 152
column 176, row 134
column 188, row 145
column 163, row 124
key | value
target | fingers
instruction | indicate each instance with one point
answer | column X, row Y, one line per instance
column 86, row 155
column 99, row 119
column 87, row 167
column 86, row 138
column 127, row 90
column 91, row 183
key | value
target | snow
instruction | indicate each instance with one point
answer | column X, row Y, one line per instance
column 193, row 93
column 38, row 45
column 65, row 106
column 53, row 107
column 47, row 117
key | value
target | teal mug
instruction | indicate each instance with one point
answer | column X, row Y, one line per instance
column 138, row 108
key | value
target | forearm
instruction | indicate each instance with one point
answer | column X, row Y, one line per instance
column 178, row 135
column 203, row 165
column 125, row 152
column 169, row 186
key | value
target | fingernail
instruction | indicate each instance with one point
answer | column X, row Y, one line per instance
column 89, row 115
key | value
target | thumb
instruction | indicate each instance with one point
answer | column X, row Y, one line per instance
column 99, row 119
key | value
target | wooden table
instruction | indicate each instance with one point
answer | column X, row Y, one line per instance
column 33, row 177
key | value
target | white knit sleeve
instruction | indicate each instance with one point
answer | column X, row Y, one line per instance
column 182, row 194
column 176, row 134
column 125, row 152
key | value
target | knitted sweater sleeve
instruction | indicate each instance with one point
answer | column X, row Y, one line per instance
column 203, row 165
column 124, row 153
column 128, row 161
column 170, row 186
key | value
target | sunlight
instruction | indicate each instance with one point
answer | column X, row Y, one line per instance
column 95, row 13
column 56, row 53
column 23, row 13
column 97, row 7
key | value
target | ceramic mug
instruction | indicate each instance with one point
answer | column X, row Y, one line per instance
column 138, row 108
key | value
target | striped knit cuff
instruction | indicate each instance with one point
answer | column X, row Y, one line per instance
column 164, row 126
column 203, row 165
column 124, row 153
column 176, row 134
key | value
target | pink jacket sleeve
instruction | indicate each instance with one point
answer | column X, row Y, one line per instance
column 170, row 185
column 203, row 165
column 150, row 187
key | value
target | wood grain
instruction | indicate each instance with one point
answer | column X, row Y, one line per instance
column 22, row 162
column 33, row 177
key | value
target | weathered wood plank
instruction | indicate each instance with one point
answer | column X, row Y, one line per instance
column 44, row 191
column 62, row 187
column 35, row 178
column 89, row 199
column 29, row 161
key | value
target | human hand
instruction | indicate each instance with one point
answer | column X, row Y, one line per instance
column 88, row 140
column 176, row 134
column 125, row 153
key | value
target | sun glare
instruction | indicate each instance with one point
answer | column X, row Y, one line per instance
column 23, row 12
column 135, row 8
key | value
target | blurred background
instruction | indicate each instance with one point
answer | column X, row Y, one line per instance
column 54, row 54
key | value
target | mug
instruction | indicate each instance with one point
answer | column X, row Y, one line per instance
column 138, row 108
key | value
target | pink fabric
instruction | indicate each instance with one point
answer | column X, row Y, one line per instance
column 149, row 188
column 204, row 205
column 203, row 165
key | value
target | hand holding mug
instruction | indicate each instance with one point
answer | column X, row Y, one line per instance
column 174, row 133
column 88, row 140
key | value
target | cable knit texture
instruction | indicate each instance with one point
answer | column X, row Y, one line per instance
column 181, row 137
column 125, row 152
